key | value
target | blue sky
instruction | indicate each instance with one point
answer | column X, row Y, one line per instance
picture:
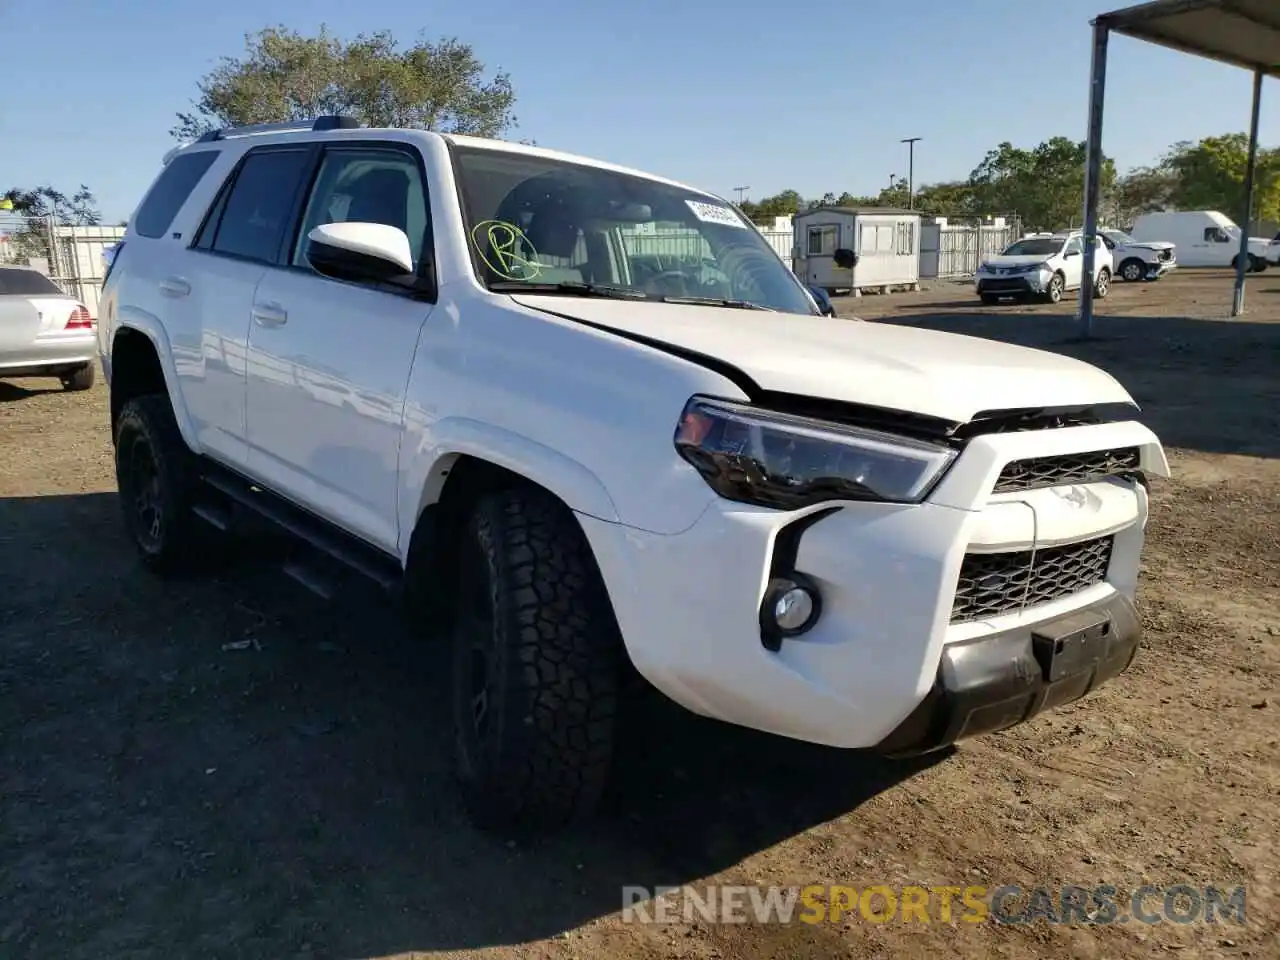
column 719, row 93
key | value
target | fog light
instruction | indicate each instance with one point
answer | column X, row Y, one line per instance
column 791, row 606
column 793, row 609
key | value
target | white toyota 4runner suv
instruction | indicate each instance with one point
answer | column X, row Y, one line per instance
column 589, row 421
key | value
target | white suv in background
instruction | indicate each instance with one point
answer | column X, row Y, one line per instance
column 451, row 364
column 1044, row 266
column 1135, row 260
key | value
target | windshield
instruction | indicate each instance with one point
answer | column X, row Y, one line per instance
column 1038, row 247
column 539, row 223
column 1118, row 236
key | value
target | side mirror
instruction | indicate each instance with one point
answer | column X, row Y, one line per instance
column 845, row 258
column 360, row 252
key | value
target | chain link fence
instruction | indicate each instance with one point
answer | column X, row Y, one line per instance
column 69, row 255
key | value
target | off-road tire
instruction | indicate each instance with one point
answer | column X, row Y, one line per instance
column 170, row 538
column 532, row 605
column 1132, row 270
column 81, row 378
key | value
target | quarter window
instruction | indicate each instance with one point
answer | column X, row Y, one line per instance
column 170, row 192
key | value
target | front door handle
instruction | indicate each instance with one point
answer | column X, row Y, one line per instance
column 269, row 315
column 174, row 287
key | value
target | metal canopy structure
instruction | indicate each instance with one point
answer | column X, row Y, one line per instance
column 1243, row 33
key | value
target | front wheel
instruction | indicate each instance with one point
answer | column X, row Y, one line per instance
column 536, row 666
column 1053, row 292
column 1132, row 270
column 1102, row 285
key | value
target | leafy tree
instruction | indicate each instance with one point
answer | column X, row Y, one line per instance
column 1142, row 190
column 954, row 199
column 40, row 202
column 284, row 75
column 1209, row 175
column 37, row 205
column 786, row 203
column 1043, row 185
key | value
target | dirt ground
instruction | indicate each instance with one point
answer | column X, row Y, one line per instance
column 233, row 768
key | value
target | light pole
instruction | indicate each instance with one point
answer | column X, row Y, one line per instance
column 740, row 191
column 911, row 169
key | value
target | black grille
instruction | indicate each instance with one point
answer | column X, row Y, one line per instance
column 1004, row 286
column 995, row 583
column 1066, row 468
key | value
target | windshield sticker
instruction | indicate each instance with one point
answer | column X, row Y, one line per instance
column 715, row 213
column 506, row 250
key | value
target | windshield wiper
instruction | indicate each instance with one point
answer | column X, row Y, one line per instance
column 578, row 288
column 718, row 302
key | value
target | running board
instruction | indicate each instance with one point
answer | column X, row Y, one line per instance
column 350, row 551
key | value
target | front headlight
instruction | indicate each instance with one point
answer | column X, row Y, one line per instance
column 781, row 460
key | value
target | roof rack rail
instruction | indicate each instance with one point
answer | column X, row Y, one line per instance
column 330, row 122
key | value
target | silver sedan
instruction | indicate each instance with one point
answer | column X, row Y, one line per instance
column 44, row 332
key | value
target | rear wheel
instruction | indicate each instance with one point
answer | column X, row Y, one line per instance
column 1257, row 264
column 80, row 378
column 155, row 474
column 536, row 666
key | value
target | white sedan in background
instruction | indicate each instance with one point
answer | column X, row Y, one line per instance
column 44, row 332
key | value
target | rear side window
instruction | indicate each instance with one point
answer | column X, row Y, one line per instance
column 256, row 210
column 170, row 192
column 26, row 283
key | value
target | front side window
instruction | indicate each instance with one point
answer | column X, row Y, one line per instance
column 539, row 223
column 1074, row 245
column 1216, row 235
column 367, row 186
column 256, row 209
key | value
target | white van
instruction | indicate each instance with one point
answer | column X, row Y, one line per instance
column 1204, row 238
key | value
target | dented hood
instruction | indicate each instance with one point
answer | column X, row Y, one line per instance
column 944, row 375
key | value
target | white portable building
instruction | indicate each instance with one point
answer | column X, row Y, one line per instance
column 887, row 242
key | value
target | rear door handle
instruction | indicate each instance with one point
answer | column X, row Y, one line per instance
column 174, row 287
column 269, row 315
